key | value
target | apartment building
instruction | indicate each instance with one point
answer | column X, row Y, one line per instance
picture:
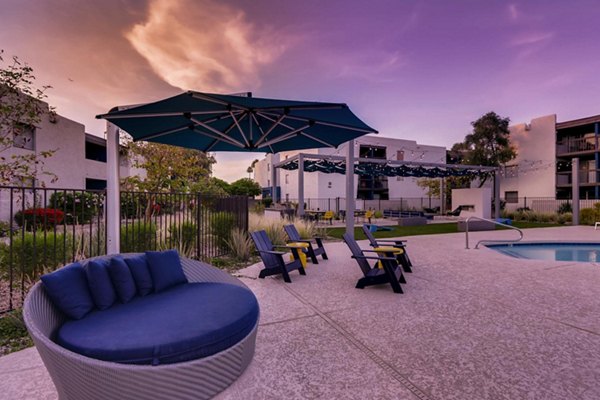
column 319, row 185
column 545, row 150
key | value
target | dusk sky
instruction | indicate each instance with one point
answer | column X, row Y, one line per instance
column 420, row 70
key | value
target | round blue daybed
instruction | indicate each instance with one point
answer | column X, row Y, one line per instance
column 188, row 341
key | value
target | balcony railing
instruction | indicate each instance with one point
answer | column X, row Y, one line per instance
column 585, row 176
column 576, row 145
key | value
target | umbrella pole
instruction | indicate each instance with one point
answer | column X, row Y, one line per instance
column 112, row 209
column 300, row 185
column 350, row 206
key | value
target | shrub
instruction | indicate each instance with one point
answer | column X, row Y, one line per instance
column 221, row 225
column 36, row 252
column 587, row 216
column 40, row 218
column 565, row 208
column 259, row 208
column 4, row 228
column 184, row 234
column 240, row 245
column 267, row 201
column 565, row 218
column 138, row 236
column 378, row 214
column 79, row 207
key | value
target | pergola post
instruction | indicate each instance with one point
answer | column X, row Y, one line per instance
column 496, row 195
column 300, row 185
column 113, row 203
column 273, row 180
column 575, row 190
column 442, row 197
column 350, row 206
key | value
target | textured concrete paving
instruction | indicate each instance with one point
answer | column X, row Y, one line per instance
column 472, row 324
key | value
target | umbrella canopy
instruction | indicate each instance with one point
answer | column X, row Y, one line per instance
column 216, row 122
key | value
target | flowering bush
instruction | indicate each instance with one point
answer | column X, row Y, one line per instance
column 40, row 218
column 80, row 207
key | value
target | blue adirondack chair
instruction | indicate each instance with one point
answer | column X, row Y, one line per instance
column 273, row 260
column 391, row 272
column 402, row 257
column 294, row 236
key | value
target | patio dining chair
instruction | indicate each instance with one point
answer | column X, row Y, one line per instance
column 273, row 260
column 400, row 244
column 390, row 273
column 294, row 236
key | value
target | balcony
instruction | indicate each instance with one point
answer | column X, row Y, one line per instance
column 586, row 177
column 576, row 145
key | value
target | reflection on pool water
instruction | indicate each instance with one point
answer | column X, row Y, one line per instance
column 583, row 252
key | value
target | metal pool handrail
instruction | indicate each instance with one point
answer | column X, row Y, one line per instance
column 490, row 241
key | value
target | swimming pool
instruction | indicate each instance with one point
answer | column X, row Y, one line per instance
column 582, row 252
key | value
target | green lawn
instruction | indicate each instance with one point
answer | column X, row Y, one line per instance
column 430, row 229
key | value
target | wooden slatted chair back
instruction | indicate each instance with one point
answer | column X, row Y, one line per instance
column 369, row 235
column 262, row 242
column 357, row 252
column 292, row 232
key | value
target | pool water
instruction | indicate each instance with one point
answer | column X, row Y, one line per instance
column 582, row 252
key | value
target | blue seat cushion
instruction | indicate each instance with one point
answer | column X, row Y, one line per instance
column 165, row 268
column 101, row 287
column 141, row 274
column 186, row 322
column 68, row 289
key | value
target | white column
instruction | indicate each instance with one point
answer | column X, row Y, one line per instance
column 273, row 180
column 575, row 189
column 442, row 197
column 350, row 196
column 113, row 204
column 300, row 184
column 497, row 194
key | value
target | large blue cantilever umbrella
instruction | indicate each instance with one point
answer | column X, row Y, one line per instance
column 216, row 122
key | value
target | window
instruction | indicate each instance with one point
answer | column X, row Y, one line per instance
column 95, row 184
column 328, row 185
column 286, row 179
column 400, row 155
column 268, row 182
column 24, row 137
column 94, row 151
column 268, row 167
column 511, row 197
column 400, row 179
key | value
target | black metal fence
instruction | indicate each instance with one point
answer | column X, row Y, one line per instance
column 337, row 204
column 43, row 229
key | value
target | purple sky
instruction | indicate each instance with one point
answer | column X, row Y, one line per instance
column 419, row 70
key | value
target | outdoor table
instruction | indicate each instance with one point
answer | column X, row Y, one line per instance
column 300, row 246
column 396, row 251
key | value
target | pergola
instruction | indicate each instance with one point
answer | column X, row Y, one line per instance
column 350, row 166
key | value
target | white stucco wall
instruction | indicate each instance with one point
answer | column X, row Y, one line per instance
column 535, row 163
column 479, row 198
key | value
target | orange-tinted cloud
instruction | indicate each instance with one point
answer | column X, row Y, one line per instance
column 207, row 47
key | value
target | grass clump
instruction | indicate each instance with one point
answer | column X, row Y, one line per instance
column 13, row 334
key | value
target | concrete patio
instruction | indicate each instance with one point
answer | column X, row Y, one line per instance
column 472, row 324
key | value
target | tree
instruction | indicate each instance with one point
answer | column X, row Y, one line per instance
column 488, row 144
column 169, row 169
column 21, row 111
column 245, row 187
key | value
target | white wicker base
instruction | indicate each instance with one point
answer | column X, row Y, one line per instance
column 77, row 377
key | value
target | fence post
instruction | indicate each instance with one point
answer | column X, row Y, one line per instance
column 525, row 202
column 198, row 225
